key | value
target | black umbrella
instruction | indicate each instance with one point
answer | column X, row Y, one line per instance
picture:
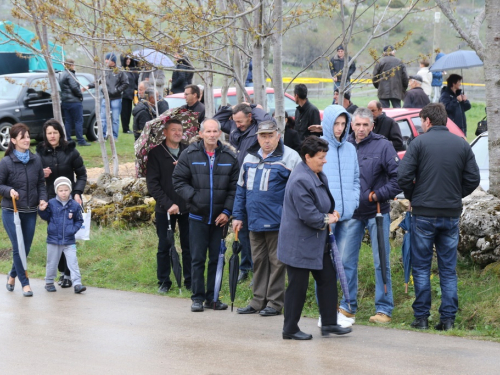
column 381, row 245
column 220, row 265
column 175, row 262
column 234, row 265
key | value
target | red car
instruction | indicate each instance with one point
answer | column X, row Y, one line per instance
column 177, row 100
column 411, row 126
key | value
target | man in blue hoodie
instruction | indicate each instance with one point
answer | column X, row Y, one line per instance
column 378, row 172
column 437, row 82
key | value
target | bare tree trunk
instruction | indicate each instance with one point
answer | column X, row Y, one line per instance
column 259, row 86
column 277, row 41
column 109, row 126
column 209, row 91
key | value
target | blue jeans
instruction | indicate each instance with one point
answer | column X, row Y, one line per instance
column 246, row 264
column 73, row 118
column 28, row 222
column 116, row 108
column 443, row 232
column 355, row 232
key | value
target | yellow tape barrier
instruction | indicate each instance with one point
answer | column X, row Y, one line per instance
column 315, row 81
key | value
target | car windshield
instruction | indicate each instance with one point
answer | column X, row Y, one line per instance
column 10, row 87
column 175, row 102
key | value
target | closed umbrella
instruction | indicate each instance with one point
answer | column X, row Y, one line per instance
column 234, row 265
column 175, row 262
column 405, row 249
column 220, row 266
column 20, row 239
column 379, row 219
column 339, row 267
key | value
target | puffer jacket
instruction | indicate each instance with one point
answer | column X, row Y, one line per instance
column 64, row 221
column 241, row 141
column 390, row 78
column 26, row 179
column 116, row 82
column 63, row 162
column 207, row 187
column 70, row 89
column 378, row 172
column 261, row 187
column 341, row 169
column 437, row 77
column 455, row 109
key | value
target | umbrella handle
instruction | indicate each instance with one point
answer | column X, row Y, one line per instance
column 236, row 235
column 14, row 204
column 370, row 198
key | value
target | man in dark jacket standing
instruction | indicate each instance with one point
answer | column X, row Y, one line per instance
column 205, row 177
column 71, row 103
column 130, row 67
column 337, row 68
column 438, row 170
column 386, row 126
column 240, row 122
column 146, row 110
column 181, row 78
column 390, row 78
column 306, row 114
column 116, row 83
column 416, row 97
column 192, row 94
column 169, row 205
column 378, row 168
column 455, row 102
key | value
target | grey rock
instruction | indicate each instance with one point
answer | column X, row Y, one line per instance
column 103, row 180
column 140, row 187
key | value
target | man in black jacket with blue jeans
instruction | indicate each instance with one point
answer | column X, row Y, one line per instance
column 205, row 177
column 438, row 170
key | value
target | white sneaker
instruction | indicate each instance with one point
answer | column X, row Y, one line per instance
column 342, row 323
column 319, row 322
column 342, row 318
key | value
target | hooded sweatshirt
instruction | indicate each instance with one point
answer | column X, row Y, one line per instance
column 341, row 169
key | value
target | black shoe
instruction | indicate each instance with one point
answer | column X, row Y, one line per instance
column 187, row 287
column 80, row 288
column 420, row 323
column 61, row 279
column 10, row 287
column 269, row 311
column 163, row 289
column 246, row 310
column 50, row 288
column 335, row 329
column 128, row 132
column 216, row 306
column 242, row 276
column 85, row 144
column 444, row 325
column 197, row 306
column 297, row 336
column 66, row 283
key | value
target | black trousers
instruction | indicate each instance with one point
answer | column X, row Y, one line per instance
column 126, row 114
column 163, row 254
column 63, row 266
column 295, row 295
column 386, row 103
column 203, row 237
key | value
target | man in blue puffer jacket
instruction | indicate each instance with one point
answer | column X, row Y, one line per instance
column 378, row 173
column 437, row 81
column 342, row 171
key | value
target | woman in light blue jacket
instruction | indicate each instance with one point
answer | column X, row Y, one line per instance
column 342, row 172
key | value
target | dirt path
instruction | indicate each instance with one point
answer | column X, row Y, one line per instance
column 125, row 170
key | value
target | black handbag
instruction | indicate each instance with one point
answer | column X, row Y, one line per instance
column 482, row 126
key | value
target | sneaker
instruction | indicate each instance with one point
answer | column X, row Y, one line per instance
column 216, row 306
column 163, row 289
column 128, row 132
column 61, row 279
column 66, row 283
column 80, row 288
column 50, row 288
column 342, row 318
column 348, row 315
column 197, row 306
column 342, row 323
column 380, row 318
column 84, row 144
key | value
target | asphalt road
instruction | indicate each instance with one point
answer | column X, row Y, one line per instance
column 111, row 332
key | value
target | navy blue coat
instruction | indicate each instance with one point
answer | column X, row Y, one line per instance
column 64, row 221
column 455, row 109
column 378, row 172
column 303, row 235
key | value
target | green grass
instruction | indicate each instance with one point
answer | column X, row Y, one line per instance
column 126, row 260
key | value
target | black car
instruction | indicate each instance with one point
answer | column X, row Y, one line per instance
column 25, row 97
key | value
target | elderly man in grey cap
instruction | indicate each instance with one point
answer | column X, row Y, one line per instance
column 416, row 97
column 259, row 202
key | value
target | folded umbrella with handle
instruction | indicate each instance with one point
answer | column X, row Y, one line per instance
column 379, row 219
column 234, row 265
column 339, row 267
column 20, row 239
column 220, row 265
column 175, row 262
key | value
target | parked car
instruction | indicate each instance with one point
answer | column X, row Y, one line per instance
column 26, row 98
column 411, row 126
column 177, row 100
column 481, row 152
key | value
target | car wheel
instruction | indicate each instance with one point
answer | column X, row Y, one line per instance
column 4, row 135
column 92, row 130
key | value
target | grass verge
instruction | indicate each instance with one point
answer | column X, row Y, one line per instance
column 126, row 260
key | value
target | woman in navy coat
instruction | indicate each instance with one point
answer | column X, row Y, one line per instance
column 308, row 211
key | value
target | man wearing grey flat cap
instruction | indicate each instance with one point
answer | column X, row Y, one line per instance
column 416, row 96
